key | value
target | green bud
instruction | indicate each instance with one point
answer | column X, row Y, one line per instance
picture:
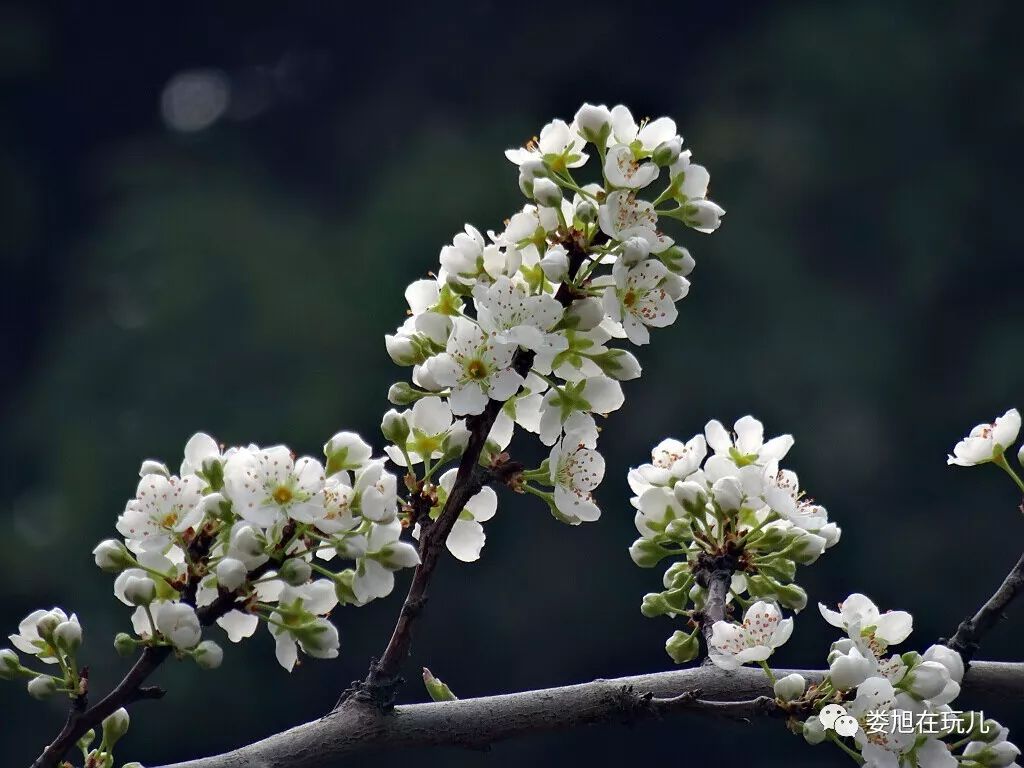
column 68, row 637
column 679, row 530
column 586, row 212
column 678, row 260
column 343, row 587
column 395, row 427
column 678, row 574
column 647, row 553
column 10, row 666
column 115, row 726
column 436, row 688
column 208, row 655
column 112, row 556
column 213, row 471
column 814, row 731
column 295, row 571
column 403, row 393
column 779, row 568
column 46, row 625
column 790, row 687
column 791, row 596
column 769, row 540
column 682, row 647
column 125, row 644
column 654, row 605
column 86, row 741
column 618, row 364
column 42, row 687
column 667, row 152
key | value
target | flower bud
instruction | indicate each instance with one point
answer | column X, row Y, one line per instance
column 790, row 687
column 319, row 638
column 654, row 604
column 68, row 636
column 112, row 556
column 814, row 731
column 647, row 553
column 86, row 740
column 831, row 533
column 10, row 665
column 179, row 624
column 849, row 670
column 398, row 555
column 692, row 496
column 547, row 193
column 555, row 264
column 343, row 587
column 668, row 151
column 42, row 687
column 208, row 654
column 728, row 493
column 46, row 624
column 231, row 573
column 395, row 427
column 1020, row 455
column 635, row 250
column 594, row 123
column 403, row 393
column 346, row 450
column 926, row 680
column 139, row 590
column 703, row 215
column 247, row 541
column 586, row 212
column 678, row 260
column 124, row 644
column 151, row 467
column 295, row 572
column 948, row 658
column 682, row 647
column 619, row 364
column 437, row 689
column 401, row 349
column 115, row 725
column 806, row 548
column 213, row 506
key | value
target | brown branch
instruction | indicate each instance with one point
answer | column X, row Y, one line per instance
column 970, row 632
column 715, row 575
column 478, row 723
column 382, row 681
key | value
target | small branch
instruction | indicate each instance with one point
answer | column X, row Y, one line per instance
column 970, row 632
column 381, row 684
column 478, row 723
column 715, row 575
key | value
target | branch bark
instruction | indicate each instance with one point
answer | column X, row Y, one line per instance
column 477, row 723
column 968, row 635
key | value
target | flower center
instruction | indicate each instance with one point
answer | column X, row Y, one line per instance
column 282, row 494
column 476, row 370
column 630, row 298
column 169, row 519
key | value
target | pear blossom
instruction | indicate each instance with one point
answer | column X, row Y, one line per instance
column 857, row 614
column 476, row 367
column 35, row 633
column 384, row 555
column 987, row 442
column 689, row 180
column 298, row 623
column 268, row 486
column 508, row 312
column 202, row 454
column 576, row 471
column 623, row 216
column 179, row 624
column 746, row 445
column 162, row 508
column 467, row 537
column 559, row 144
column 762, row 631
column 623, row 170
column 639, row 299
column 702, row 215
column 594, row 123
column 649, row 135
column 431, row 425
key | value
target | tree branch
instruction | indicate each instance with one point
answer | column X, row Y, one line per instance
column 381, row 684
column 715, row 575
column 968, row 635
column 477, row 723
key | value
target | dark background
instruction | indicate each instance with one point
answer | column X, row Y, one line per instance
column 863, row 294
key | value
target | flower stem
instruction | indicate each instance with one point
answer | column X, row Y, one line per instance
column 834, row 737
column 1005, row 465
column 768, row 672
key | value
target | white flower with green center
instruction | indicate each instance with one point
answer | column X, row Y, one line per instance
column 762, row 631
column 163, row 507
column 596, row 394
column 746, row 444
column 622, row 216
column 385, row 554
column 860, row 618
column 624, row 170
column 476, row 367
column 560, row 146
column 640, row 299
column 268, row 486
column 576, row 471
column 467, row 536
column 987, row 442
column 430, row 425
column 508, row 312
column 297, row 623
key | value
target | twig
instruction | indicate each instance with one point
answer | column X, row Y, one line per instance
column 477, row 723
column 970, row 632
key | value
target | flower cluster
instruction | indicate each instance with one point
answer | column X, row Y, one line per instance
column 733, row 510
column 896, row 706
column 525, row 317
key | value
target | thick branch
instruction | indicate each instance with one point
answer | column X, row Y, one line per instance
column 382, row 681
column 715, row 575
column 969, row 633
column 477, row 723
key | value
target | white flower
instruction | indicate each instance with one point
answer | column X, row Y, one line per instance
column 476, row 367
column 689, row 179
column 987, row 442
column 296, row 623
column 790, row 687
column 622, row 216
column 948, row 658
column 179, row 624
column 625, row 129
column 201, row 453
column 346, row 450
column 508, row 312
column 622, row 169
column 762, row 631
column 267, row 486
column 850, row 669
column 134, row 587
column 559, row 145
column 880, row 750
column 747, row 444
column 384, row 554
column 462, row 259
column 639, row 299
column 162, row 507
column 858, row 615
column 702, row 215
column 208, row 655
column 34, row 630
column 596, row 394
column 376, row 492
column 467, row 537
column 575, row 472
column 231, row 573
